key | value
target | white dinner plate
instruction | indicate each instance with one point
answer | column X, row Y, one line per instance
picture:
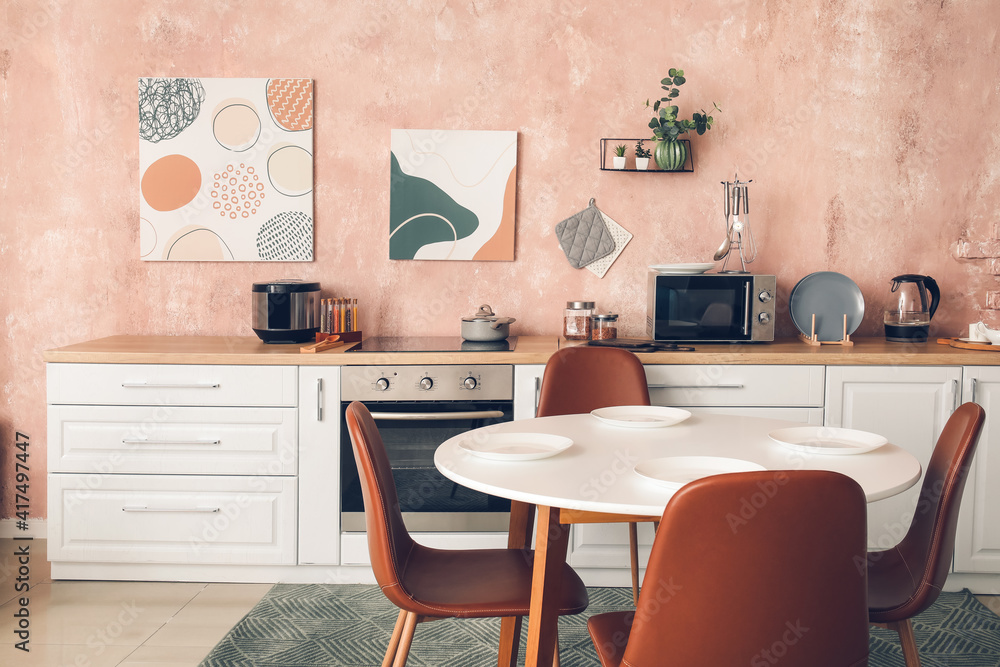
column 827, row 440
column 682, row 268
column 674, row 472
column 641, row 416
column 516, row 446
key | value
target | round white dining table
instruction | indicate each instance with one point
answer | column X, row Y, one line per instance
column 597, row 474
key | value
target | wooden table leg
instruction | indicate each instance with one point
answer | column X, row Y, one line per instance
column 522, row 516
column 551, row 542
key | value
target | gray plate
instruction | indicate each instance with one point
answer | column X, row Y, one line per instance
column 830, row 295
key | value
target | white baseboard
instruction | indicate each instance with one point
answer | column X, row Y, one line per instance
column 36, row 529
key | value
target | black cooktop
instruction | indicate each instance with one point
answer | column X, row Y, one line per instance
column 432, row 344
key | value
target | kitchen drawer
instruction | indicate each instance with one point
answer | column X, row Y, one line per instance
column 171, row 519
column 172, row 439
column 750, row 386
column 155, row 384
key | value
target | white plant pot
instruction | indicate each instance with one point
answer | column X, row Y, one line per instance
column 619, row 162
column 642, row 163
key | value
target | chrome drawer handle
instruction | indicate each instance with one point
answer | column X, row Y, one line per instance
column 209, row 510
column 141, row 441
column 696, row 386
column 162, row 385
column 437, row 416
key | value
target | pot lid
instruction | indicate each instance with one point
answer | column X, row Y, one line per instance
column 484, row 314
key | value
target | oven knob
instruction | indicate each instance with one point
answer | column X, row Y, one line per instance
column 764, row 318
column 382, row 384
column 426, row 383
column 765, row 296
column 470, row 382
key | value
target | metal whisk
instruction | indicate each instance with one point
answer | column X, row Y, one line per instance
column 739, row 235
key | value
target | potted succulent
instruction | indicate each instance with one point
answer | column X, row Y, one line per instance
column 642, row 155
column 619, row 158
column 670, row 153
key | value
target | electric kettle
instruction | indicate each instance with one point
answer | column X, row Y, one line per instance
column 912, row 304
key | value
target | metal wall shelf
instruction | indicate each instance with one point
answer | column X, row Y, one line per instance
column 606, row 158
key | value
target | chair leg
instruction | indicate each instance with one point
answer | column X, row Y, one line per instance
column 633, row 549
column 390, row 651
column 510, row 639
column 406, row 636
column 907, row 641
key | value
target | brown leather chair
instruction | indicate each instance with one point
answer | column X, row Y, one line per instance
column 756, row 568
column 428, row 583
column 580, row 379
column 905, row 580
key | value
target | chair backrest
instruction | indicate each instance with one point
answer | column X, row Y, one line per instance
column 389, row 543
column 929, row 543
column 580, row 379
column 767, row 562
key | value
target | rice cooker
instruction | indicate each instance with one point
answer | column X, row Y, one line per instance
column 286, row 311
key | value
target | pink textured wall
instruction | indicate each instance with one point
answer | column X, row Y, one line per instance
column 869, row 129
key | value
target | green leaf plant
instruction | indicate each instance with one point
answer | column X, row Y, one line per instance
column 665, row 124
column 620, row 150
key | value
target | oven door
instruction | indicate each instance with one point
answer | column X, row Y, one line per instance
column 713, row 308
column 429, row 501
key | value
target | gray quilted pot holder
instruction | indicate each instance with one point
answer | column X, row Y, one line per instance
column 584, row 237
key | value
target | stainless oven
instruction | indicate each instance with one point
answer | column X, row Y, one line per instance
column 710, row 308
column 417, row 408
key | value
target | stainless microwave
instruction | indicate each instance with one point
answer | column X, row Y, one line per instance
column 710, row 308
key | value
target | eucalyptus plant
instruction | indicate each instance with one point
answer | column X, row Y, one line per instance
column 665, row 124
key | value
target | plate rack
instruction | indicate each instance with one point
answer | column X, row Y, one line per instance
column 813, row 338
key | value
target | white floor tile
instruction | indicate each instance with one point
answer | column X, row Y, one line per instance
column 166, row 656
column 63, row 655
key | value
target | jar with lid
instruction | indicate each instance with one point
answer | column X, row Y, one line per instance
column 605, row 326
column 576, row 320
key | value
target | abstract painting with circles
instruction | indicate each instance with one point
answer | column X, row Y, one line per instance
column 225, row 169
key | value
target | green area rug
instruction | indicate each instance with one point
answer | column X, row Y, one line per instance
column 332, row 625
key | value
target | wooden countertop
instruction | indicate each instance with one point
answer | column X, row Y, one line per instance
column 529, row 350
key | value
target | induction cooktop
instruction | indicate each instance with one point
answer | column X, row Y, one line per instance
column 432, row 344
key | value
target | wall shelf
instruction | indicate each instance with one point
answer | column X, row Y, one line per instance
column 606, row 155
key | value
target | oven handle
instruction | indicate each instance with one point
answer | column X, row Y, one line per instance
column 436, row 416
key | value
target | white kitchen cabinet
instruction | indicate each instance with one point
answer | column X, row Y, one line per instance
column 977, row 542
column 174, row 464
column 527, row 383
column 319, row 465
column 181, row 519
column 909, row 405
column 172, row 440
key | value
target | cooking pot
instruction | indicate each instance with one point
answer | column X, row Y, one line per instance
column 286, row 311
column 485, row 326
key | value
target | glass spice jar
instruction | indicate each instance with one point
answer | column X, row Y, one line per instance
column 605, row 326
column 576, row 320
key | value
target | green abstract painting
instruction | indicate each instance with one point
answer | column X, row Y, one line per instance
column 452, row 194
